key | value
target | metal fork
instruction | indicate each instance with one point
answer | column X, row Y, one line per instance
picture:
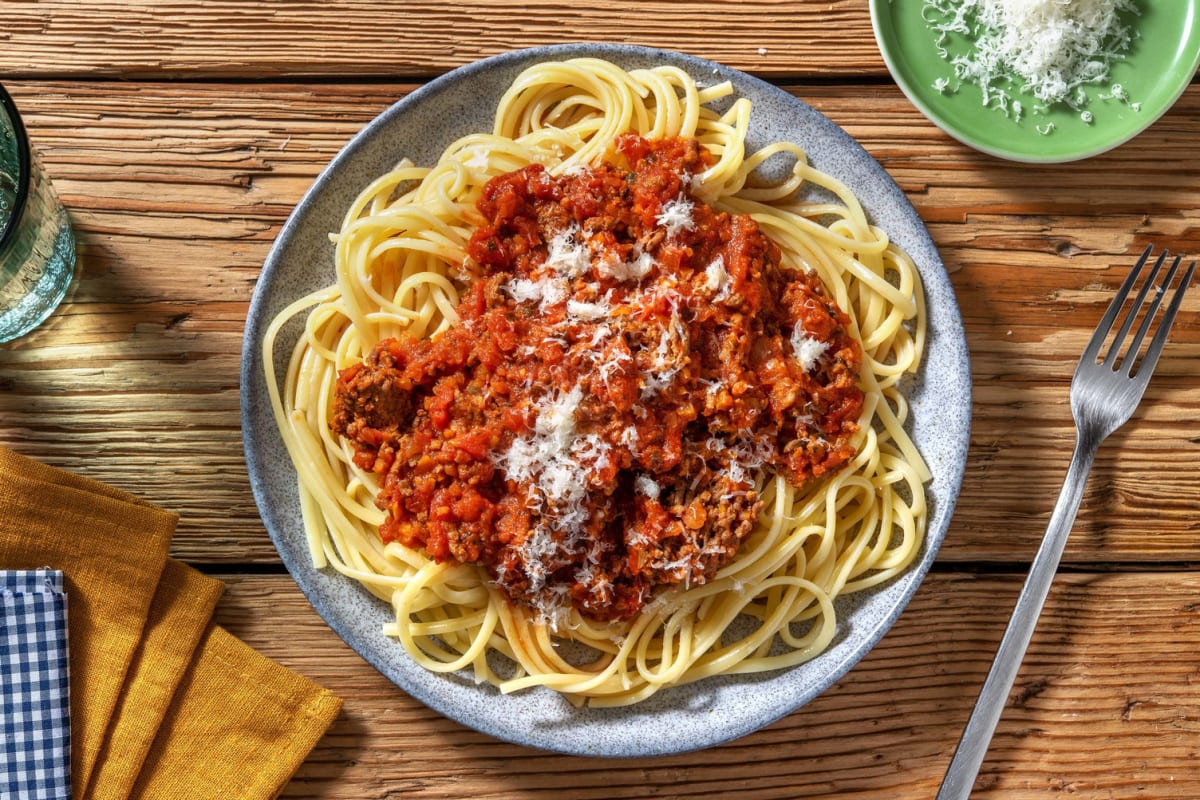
column 1104, row 393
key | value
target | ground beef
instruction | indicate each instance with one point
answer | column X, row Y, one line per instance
column 628, row 361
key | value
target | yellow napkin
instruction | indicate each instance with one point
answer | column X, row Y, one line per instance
column 179, row 615
column 222, row 736
column 111, row 550
column 163, row 704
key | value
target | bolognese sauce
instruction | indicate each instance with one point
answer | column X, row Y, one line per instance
column 627, row 361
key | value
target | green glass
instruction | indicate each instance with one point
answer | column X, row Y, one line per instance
column 1158, row 66
column 37, row 247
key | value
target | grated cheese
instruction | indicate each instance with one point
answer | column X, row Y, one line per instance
column 567, row 255
column 807, row 349
column 537, row 547
column 581, row 309
column 676, row 216
column 480, row 158
column 556, row 459
column 669, row 356
column 1048, row 48
column 716, row 279
column 545, row 291
column 647, row 486
column 610, row 264
column 556, row 419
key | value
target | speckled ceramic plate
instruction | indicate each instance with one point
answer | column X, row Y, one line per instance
column 1156, row 69
column 675, row 720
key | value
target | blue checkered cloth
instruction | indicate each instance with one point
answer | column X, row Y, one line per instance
column 35, row 709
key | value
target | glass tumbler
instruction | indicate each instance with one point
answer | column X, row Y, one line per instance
column 37, row 247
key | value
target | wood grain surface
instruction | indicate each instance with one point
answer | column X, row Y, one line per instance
column 1104, row 706
column 180, row 135
column 146, row 39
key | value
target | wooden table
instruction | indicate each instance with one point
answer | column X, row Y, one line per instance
column 180, row 135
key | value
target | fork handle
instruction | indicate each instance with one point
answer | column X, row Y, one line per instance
column 977, row 735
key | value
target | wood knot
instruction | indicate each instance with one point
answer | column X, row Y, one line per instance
column 1066, row 248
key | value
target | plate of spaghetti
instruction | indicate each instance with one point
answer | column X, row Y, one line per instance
column 605, row 399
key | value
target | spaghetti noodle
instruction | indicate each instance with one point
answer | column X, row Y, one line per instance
column 405, row 265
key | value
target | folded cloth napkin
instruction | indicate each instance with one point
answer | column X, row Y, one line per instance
column 35, row 713
column 112, row 549
column 179, row 614
column 145, row 659
column 222, row 735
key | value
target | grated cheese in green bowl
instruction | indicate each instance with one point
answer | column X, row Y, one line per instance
column 1049, row 49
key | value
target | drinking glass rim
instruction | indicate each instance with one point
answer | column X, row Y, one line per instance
column 23, row 165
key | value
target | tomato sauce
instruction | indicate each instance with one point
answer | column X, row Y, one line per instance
column 627, row 361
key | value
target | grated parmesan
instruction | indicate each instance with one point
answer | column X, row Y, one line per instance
column 480, row 158
column 716, row 279
column 611, row 265
column 647, row 486
column 807, row 349
column 581, row 309
column 676, row 216
column 1050, row 49
column 567, row 255
column 544, row 291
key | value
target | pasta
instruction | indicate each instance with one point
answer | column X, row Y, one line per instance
column 400, row 257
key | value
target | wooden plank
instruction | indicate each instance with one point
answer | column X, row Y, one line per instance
column 1090, row 713
column 227, row 39
column 177, row 191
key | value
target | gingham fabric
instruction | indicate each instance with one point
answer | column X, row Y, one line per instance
column 35, row 720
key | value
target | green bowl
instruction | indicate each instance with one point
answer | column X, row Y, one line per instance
column 1156, row 69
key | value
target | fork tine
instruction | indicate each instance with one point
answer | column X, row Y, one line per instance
column 1131, row 359
column 1160, row 337
column 1115, row 348
column 1105, row 325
